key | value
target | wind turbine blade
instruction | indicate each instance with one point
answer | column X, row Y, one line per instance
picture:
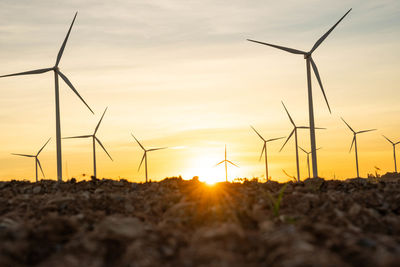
column 159, row 148
column 105, row 150
column 397, row 143
column 287, row 49
column 257, row 133
column 23, row 155
column 273, row 139
column 28, row 72
column 290, row 118
column 319, row 128
column 43, row 147
column 323, row 37
column 316, row 72
column 262, row 151
column 388, row 139
column 287, row 140
column 73, row 89
column 232, row 163
column 319, row 148
column 40, row 166
column 347, row 125
column 98, row 125
column 225, row 151
column 60, row 53
column 365, row 131
column 219, row 163
column 352, row 143
column 80, row 136
column 304, row 150
column 138, row 142
column 303, row 127
column 290, row 176
column 144, row 155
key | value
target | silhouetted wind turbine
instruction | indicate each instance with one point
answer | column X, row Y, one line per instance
column 310, row 61
column 94, row 140
column 226, row 165
column 308, row 159
column 264, row 149
column 37, row 161
column 354, row 142
column 295, row 127
column 57, row 73
column 145, row 154
column 394, row 151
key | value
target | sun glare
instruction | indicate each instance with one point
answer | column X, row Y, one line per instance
column 205, row 169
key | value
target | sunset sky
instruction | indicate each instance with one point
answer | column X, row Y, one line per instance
column 181, row 74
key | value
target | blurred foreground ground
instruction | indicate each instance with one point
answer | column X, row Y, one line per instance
column 187, row 223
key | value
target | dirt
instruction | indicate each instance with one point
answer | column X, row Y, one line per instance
column 187, row 223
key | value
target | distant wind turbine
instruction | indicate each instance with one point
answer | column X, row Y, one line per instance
column 394, row 151
column 94, row 140
column 57, row 73
column 37, row 161
column 264, row 149
column 295, row 127
column 310, row 61
column 226, row 165
column 145, row 154
column 354, row 142
column 308, row 159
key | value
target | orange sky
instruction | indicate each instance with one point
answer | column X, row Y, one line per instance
column 180, row 74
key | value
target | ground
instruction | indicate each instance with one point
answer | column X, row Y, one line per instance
column 187, row 223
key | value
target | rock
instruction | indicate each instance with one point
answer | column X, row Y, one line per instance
column 122, row 227
column 37, row 189
column 98, row 191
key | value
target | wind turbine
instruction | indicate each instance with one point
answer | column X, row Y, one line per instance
column 145, row 154
column 226, row 165
column 94, row 140
column 295, row 127
column 354, row 142
column 264, row 149
column 308, row 159
column 310, row 61
column 394, row 151
column 57, row 73
column 37, row 161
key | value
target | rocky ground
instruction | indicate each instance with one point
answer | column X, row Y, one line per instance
column 187, row 223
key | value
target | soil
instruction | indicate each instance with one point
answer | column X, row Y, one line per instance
column 187, row 223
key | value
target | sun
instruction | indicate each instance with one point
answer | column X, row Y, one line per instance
column 205, row 169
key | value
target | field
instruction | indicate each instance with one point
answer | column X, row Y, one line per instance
column 187, row 223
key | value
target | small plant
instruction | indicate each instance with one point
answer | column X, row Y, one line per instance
column 276, row 202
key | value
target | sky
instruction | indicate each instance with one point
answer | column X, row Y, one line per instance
column 181, row 74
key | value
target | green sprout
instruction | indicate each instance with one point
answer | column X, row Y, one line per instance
column 276, row 202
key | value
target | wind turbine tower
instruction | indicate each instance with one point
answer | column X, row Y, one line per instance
column 264, row 150
column 354, row 142
column 94, row 140
column 57, row 73
column 226, row 161
column 310, row 63
column 37, row 161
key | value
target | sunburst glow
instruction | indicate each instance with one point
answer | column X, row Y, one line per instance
column 207, row 171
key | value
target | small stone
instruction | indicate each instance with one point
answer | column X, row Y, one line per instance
column 123, row 227
column 37, row 189
column 98, row 191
